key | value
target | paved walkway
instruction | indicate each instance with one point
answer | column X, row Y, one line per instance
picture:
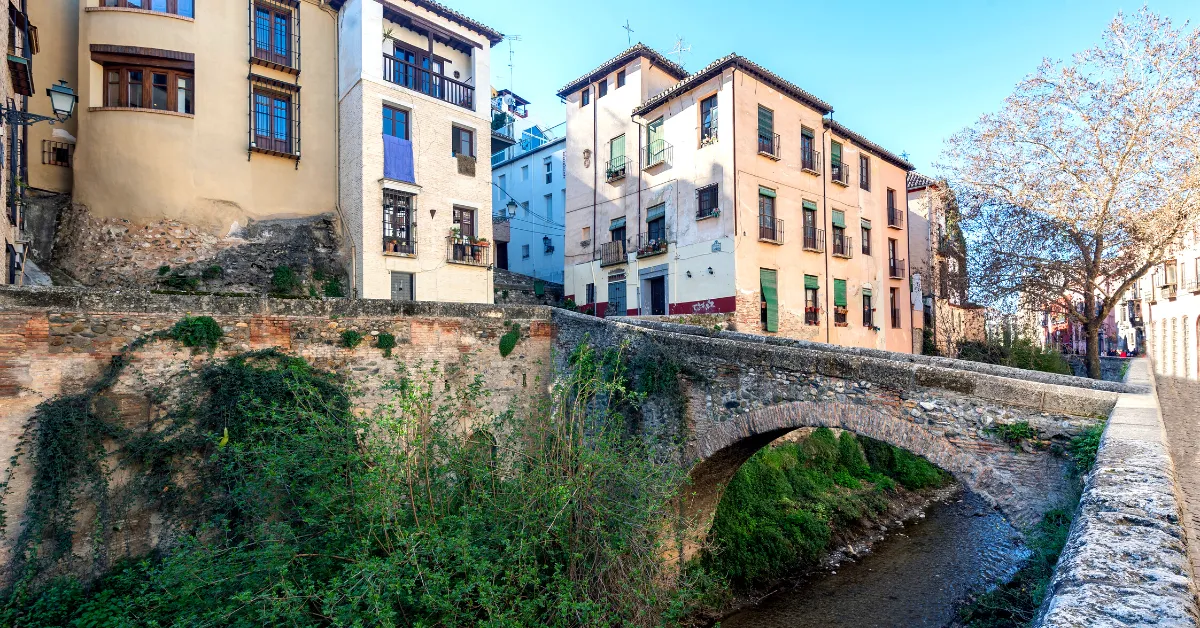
column 1180, row 402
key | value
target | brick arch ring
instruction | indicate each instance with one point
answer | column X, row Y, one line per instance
column 722, row 449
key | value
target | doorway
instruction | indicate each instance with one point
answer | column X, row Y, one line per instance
column 658, row 296
column 616, row 297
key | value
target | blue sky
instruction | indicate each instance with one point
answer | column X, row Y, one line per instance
column 905, row 74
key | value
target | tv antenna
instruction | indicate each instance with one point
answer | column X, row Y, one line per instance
column 628, row 34
column 678, row 51
column 511, row 39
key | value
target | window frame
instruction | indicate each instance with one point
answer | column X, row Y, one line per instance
column 172, row 6
column 866, row 239
column 407, row 115
column 709, row 130
column 146, row 84
column 714, row 207
column 51, row 158
column 456, row 135
column 549, row 165
column 585, row 96
column 864, row 172
column 279, row 11
column 620, row 79
column 274, row 143
column 407, row 224
column 602, row 88
column 868, row 311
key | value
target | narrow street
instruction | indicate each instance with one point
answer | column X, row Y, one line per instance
column 1180, row 401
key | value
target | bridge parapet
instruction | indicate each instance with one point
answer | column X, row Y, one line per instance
column 1126, row 559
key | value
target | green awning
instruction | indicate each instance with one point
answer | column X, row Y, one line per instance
column 866, row 292
column 810, row 281
column 866, row 224
column 835, row 153
column 617, row 223
column 839, row 218
column 770, row 295
column 810, row 205
column 656, row 212
column 766, row 121
column 766, row 192
column 806, row 132
column 616, row 149
column 839, row 292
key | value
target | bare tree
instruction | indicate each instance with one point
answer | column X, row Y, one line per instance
column 1090, row 172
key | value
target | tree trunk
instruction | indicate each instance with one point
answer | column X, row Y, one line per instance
column 1092, row 328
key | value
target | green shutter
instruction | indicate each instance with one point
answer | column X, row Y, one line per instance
column 839, row 292
column 770, row 294
column 656, row 212
column 810, row 281
column 617, row 223
column 866, row 292
column 806, row 132
column 655, row 131
column 835, row 153
column 766, row 121
column 866, row 224
column 766, row 192
column 839, row 218
column 617, row 148
column 810, row 205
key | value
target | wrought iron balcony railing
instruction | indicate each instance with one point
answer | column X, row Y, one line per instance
column 842, row 245
column 418, row 79
column 810, row 161
column 768, row 145
column 814, row 239
column 812, row 315
column 614, row 169
column 839, row 172
column 896, row 268
column 657, row 153
column 770, row 229
column 895, row 217
column 462, row 250
column 649, row 244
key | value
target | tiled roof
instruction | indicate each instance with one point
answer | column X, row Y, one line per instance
column 869, row 145
column 917, row 180
column 492, row 34
column 741, row 63
column 634, row 51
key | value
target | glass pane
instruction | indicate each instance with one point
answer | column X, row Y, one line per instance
column 183, row 99
column 262, row 30
column 135, row 88
column 158, row 5
column 137, row 4
column 262, row 116
column 184, row 8
column 113, row 95
column 281, row 119
column 158, row 91
column 281, row 35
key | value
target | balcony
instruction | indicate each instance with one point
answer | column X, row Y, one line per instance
column 896, row 268
column 1192, row 285
column 810, row 161
column 812, row 315
column 405, row 244
column 770, row 229
column 614, row 169
column 839, row 173
column 843, row 245
column 417, row 79
column 814, row 239
column 464, row 250
column 657, row 153
column 615, row 252
column 895, row 218
column 768, row 146
column 1168, row 291
column 650, row 244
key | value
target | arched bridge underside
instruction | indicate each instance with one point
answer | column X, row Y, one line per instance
column 741, row 392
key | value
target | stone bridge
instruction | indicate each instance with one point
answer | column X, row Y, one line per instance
column 741, row 392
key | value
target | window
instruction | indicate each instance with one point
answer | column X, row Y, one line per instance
column 525, row 206
column 549, row 205
column 174, row 7
column 602, row 90
column 766, row 130
column 525, row 173
column 395, row 124
column 866, row 237
column 524, row 251
column 708, row 120
column 840, row 246
column 1169, row 273
column 892, row 295
column 706, row 201
column 656, row 228
column 836, row 169
column 615, row 169
column 148, row 88
column 839, row 303
column 462, row 142
column 587, row 234
column 57, row 153
column 620, row 78
column 768, row 299
column 590, row 293
column 617, row 230
column 398, row 236
column 769, row 229
column 864, row 172
column 549, row 166
column 464, row 221
column 272, row 121
column 812, row 304
column 814, row 238
column 895, row 217
column 868, row 312
column 585, row 97
column 503, row 183
column 273, row 33
column 808, row 157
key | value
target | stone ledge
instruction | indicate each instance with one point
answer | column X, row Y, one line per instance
column 1126, row 559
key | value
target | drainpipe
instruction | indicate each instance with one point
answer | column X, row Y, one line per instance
column 912, row 324
column 824, row 212
column 733, row 82
column 639, row 226
column 595, row 105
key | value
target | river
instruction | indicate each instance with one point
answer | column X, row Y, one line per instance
column 917, row 576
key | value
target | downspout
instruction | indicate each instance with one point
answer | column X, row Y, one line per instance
column 733, row 82
column 824, row 212
column 912, row 325
column 595, row 189
column 639, row 226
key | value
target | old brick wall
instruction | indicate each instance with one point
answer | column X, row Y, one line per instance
column 55, row 341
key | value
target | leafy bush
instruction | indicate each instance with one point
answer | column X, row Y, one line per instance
column 1021, row 353
column 179, row 281
column 387, row 342
column 212, row 272
column 333, row 288
column 351, row 338
column 164, row 269
column 284, row 280
column 508, row 341
column 1083, row 448
column 1013, row 433
column 197, row 332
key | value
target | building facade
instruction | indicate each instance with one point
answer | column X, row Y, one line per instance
column 17, row 88
column 938, row 254
column 1168, row 318
column 732, row 192
column 213, row 115
column 528, row 203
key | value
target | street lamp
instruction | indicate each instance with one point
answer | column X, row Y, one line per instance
column 512, row 208
column 62, row 101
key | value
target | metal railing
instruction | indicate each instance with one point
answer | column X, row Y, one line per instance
column 651, row 244
column 433, row 84
column 657, row 152
column 1193, row 285
column 810, row 161
column 1168, row 291
column 840, row 314
column 868, row 316
column 614, row 169
column 768, row 145
column 814, row 239
column 842, row 245
column 770, row 229
column 812, row 315
column 895, row 217
column 614, row 252
column 403, row 245
column 896, row 268
column 530, row 140
column 461, row 250
column 839, row 173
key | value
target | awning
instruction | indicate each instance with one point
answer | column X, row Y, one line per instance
column 866, row 292
column 810, row 281
column 766, row 192
column 866, row 224
column 656, row 212
column 839, row 218
column 617, row 223
column 770, row 295
column 810, row 205
column 839, row 292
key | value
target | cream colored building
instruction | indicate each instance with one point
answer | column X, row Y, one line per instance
column 733, row 192
column 214, row 114
column 1163, row 311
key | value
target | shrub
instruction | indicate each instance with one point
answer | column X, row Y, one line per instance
column 387, row 342
column 284, row 280
column 213, row 272
column 164, row 269
column 1013, row 433
column 333, row 288
column 1083, row 448
column 197, row 332
column 351, row 338
column 178, row 281
column 508, row 341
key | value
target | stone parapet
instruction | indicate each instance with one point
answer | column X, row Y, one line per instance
column 1126, row 560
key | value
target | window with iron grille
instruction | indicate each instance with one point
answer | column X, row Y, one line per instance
column 182, row 8
column 398, row 228
column 57, row 153
column 275, row 34
column 274, row 117
column 706, row 201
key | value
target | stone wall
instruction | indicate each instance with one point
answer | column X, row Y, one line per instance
column 1111, row 369
column 1126, row 559
column 517, row 289
column 57, row 341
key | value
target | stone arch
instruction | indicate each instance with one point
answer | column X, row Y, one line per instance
column 721, row 451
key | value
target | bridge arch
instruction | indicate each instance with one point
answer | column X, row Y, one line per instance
column 724, row 447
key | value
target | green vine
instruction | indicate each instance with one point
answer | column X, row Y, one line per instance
column 386, row 342
column 197, row 332
column 508, row 341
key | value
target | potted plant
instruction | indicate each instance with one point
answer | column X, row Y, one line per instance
column 390, row 246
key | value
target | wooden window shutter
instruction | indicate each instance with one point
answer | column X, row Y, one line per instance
column 839, row 292
column 770, row 293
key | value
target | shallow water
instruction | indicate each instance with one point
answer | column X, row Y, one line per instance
column 917, row 576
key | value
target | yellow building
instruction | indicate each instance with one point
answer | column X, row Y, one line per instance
column 199, row 118
column 16, row 84
column 732, row 192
